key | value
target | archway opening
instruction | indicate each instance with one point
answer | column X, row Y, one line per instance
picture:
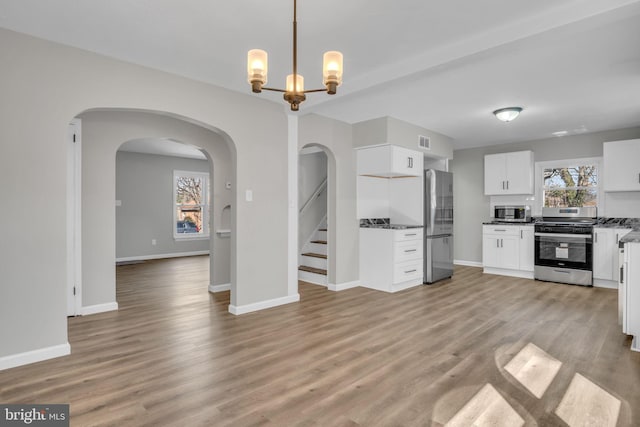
column 316, row 219
column 109, row 236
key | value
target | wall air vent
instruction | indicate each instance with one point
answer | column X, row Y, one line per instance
column 424, row 142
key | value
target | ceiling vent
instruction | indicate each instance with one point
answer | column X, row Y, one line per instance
column 424, row 142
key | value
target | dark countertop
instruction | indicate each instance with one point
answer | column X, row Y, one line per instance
column 507, row 223
column 633, row 237
column 391, row 226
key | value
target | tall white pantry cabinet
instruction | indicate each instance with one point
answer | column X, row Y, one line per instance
column 390, row 185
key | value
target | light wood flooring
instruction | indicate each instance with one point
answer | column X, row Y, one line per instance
column 173, row 355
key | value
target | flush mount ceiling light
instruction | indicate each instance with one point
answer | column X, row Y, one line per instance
column 294, row 92
column 507, row 114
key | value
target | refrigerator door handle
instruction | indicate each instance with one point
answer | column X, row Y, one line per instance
column 434, row 203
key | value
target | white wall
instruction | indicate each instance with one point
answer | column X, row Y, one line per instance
column 312, row 171
column 144, row 189
column 472, row 207
column 44, row 85
column 337, row 139
column 388, row 130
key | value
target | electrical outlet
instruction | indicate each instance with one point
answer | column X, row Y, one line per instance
column 153, row 242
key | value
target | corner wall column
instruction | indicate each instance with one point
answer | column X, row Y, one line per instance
column 292, row 236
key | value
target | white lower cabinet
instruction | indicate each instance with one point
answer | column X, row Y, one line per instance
column 508, row 250
column 527, row 249
column 605, row 255
column 630, row 293
column 391, row 260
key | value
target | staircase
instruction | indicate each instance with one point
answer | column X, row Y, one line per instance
column 313, row 259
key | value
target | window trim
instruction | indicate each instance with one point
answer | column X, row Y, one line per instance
column 563, row 163
column 205, row 206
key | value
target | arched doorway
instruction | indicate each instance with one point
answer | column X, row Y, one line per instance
column 316, row 215
column 103, row 133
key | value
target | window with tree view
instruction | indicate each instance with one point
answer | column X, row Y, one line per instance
column 191, row 196
column 573, row 186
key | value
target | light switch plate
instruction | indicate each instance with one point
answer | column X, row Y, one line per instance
column 249, row 195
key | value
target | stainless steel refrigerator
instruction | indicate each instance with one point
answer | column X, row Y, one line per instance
column 438, row 225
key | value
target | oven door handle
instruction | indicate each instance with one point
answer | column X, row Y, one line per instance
column 564, row 236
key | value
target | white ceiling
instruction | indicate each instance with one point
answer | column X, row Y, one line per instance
column 573, row 65
column 163, row 147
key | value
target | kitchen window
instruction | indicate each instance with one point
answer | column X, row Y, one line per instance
column 569, row 183
column 191, row 205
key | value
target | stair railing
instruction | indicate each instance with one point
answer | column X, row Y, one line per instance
column 315, row 195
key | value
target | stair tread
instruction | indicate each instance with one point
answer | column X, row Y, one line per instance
column 311, row 254
column 312, row 270
column 321, row 242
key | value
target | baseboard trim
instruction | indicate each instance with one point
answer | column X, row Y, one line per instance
column 219, row 288
column 262, row 305
column 467, row 263
column 343, row 286
column 161, row 256
column 98, row 308
column 33, row 356
column 511, row 273
column 603, row 283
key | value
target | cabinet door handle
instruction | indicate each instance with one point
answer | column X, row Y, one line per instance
column 617, row 238
column 499, row 229
column 407, row 235
column 503, row 185
column 497, row 243
column 410, row 271
column 409, row 162
column 595, row 237
column 521, row 235
column 410, row 250
column 639, row 178
column 622, row 274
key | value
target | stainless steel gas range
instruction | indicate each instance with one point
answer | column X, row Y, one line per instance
column 564, row 245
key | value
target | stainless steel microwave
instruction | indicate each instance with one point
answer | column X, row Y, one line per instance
column 516, row 213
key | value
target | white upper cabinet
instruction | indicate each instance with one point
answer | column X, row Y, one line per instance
column 389, row 161
column 622, row 165
column 508, row 173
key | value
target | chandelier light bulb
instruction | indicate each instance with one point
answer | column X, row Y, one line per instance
column 299, row 86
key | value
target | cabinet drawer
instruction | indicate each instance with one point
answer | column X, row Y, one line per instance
column 408, row 234
column 409, row 270
column 407, row 250
column 506, row 230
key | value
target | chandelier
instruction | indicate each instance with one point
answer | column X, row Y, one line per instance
column 294, row 93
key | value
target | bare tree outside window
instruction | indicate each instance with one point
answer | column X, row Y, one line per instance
column 571, row 186
column 191, row 203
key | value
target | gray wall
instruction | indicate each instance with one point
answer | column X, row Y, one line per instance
column 388, row 130
column 44, row 85
column 103, row 132
column 471, row 206
column 144, row 187
column 312, row 170
column 336, row 138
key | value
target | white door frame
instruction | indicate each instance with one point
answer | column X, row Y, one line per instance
column 74, row 218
